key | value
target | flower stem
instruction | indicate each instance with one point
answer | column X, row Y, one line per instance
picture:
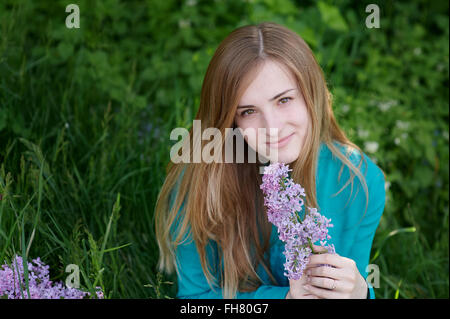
column 311, row 246
column 312, row 249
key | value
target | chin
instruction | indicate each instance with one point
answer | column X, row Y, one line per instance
column 286, row 156
column 287, row 159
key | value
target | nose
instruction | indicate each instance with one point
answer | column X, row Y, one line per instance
column 273, row 124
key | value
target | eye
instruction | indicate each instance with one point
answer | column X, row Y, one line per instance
column 244, row 113
column 285, row 99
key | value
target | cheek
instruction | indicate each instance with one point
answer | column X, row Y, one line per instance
column 301, row 118
column 252, row 139
column 249, row 137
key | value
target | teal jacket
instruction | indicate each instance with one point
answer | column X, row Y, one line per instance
column 352, row 232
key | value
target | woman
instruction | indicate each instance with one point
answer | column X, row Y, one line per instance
column 211, row 223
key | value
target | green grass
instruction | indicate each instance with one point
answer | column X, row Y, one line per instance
column 85, row 116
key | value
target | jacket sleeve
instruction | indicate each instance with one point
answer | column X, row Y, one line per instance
column 361, row 248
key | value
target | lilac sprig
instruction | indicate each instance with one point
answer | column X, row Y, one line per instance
column 284, row 201
column 13, row 284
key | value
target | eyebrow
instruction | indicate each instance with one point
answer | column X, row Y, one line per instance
column 275, row 97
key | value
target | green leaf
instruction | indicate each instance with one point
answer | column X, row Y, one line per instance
column 332, row 17
column 65, row 50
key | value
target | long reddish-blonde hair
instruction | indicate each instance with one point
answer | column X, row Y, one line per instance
column 222, row 202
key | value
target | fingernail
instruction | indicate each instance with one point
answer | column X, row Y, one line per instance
column 306, row 287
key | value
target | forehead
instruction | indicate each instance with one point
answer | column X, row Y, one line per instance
column 270, row 79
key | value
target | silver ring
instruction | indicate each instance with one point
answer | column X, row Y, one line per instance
column 334, row 284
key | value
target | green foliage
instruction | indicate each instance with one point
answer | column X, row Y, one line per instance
column 85, row 115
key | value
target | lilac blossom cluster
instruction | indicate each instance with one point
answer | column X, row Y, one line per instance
column 284, row 201
column 13, row 284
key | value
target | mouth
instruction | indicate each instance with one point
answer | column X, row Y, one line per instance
column 282, row 142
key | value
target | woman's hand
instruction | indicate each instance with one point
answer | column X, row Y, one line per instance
column 297, row 290
column 342, row 280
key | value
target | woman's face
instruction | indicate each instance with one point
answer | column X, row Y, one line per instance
column 273, row 101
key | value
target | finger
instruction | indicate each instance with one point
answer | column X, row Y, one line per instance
column 322, row 293
column 325, row 271
column 298, row 282
column 319, row 249
column 327, row 259
column 322, row 282
column 309, row 296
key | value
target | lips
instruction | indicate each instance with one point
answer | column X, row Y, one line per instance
column 280, row 141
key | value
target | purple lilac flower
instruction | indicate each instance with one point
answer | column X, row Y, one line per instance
column 284, row 201
column 13, row 284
